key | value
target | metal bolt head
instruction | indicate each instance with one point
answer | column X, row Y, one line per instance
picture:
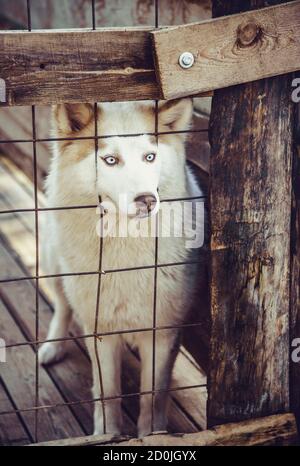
column 186, row 60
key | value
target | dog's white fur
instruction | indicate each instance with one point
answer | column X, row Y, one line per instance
column 126, row 298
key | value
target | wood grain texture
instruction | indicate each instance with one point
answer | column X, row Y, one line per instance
column 295, row 267
column 55, row 66
column 229, row 50
column 12, row 430
column 18, row 374
column 77, row 66
column 16, row 124
column 268, row 431
column 250, row 198
column 295, row 281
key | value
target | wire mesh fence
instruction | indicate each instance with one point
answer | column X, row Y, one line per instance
column 37, row 276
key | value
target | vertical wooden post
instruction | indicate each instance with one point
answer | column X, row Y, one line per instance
column 295, row 275
column 251, row 141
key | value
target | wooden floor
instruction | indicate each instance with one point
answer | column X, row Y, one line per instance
column 69, row 380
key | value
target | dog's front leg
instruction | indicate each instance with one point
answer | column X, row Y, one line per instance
column 166, row 348
column 53, row 351
column 107, row 420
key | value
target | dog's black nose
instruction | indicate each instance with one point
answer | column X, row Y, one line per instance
column 145, row 203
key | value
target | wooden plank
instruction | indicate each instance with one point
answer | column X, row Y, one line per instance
column 16, row 187
column 17, row 153
column 55, row 66
column 77, row 66
column 250, row 203
column 268, row 431
column 12, row 429
column 272, row 430
column 16, row 124
column 87, row 440
column 187, row 372
column 14, row 226
column 17, row 193
column 295, row 282
column 295, row 270
column 229, row 50
column 18, row 374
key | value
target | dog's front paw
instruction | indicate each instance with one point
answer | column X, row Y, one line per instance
column 51, row 352
column 112, row 422
column 145, row 424
column 110, row 430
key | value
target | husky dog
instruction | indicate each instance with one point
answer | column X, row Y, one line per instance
column 144, row 170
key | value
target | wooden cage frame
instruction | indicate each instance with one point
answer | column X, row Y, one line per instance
column 255, row 217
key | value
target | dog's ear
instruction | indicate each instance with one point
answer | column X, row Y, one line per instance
column 71, row 118
column 175, row 115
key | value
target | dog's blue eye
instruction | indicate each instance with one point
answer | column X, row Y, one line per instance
column 111, row 160
column 150, row 157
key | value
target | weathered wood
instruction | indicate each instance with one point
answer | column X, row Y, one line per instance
column 18, row 374
column 16, row 124
column 76, row 66
column 230, row 50
column 12, row 431
column 54, row 66
column 78, row 14
column 272, row 430
column 86, row 66
column 87, row 440
column 250, row 199
column 295, row 281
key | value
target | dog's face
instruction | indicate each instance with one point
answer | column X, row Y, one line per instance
column 128, row 174
column 128, row 167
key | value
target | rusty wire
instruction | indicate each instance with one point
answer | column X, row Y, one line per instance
column 36, row 222
column 104, row 136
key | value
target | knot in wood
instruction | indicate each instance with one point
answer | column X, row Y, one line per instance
column 248, row 34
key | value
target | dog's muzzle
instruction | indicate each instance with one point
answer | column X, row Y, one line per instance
column 145, row 205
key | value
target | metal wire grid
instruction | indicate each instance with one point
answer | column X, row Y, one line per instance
column 96, row 335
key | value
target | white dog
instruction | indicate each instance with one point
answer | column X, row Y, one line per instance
column 141, row 172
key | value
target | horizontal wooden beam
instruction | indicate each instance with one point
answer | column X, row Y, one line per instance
column 54, row 66
column 48, row 67
column 229, row 50
column 279, row 429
